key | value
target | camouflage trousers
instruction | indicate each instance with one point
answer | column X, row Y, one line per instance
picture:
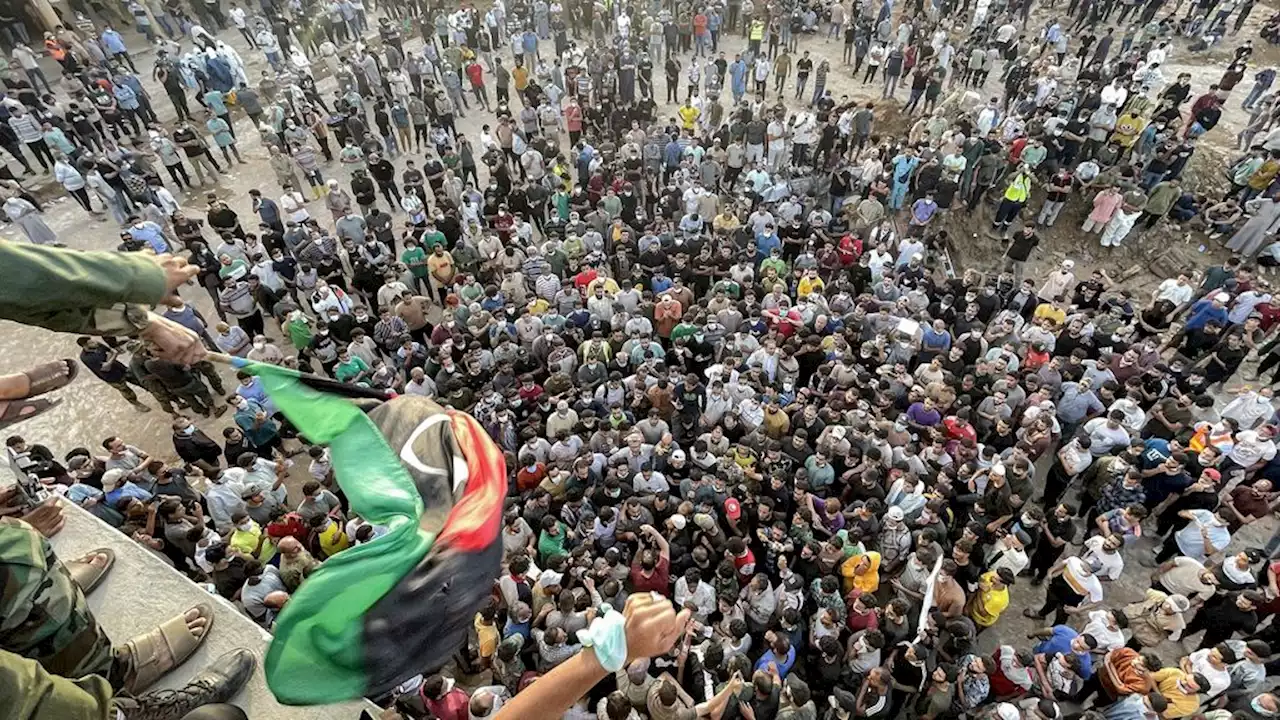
column 43, row 614
column 30, row 692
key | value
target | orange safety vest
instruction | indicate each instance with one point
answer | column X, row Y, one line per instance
column 56, row 51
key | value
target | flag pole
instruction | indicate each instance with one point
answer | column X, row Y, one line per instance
column 318, row 382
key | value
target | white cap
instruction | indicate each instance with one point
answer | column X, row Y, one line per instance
column 678, row 522
column 1222, row 297
column 1007, row 711
column 1068, row 264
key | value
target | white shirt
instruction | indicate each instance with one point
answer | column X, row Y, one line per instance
column 703, row 597
column 1104, row 438
column 1112, row 563
column 1013, row 558
column 295, row 206
column 1112, row 95
column 25, row 57
column 656, row 483
column 1097, row 626
column 1219, row 679
column 1173, row 292
column 237, row 16
column 1080, row 576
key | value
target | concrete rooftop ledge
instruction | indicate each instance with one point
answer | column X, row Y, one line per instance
column 140, row 591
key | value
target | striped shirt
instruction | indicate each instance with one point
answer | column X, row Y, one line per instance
column 237, row 300
column 27, row 128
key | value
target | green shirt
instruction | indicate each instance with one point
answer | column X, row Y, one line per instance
column 684, row 329
column 551, row 545
column 777, row 264
column 350, row 369
column 416, row 259
column 432, row 239
column 299, row 333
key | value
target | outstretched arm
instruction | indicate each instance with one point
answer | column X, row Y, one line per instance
column 652, row 628
column 100, row 293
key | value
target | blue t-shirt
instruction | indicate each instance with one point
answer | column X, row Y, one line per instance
column 1060, row 642
column 784, row 665
column 1203, row 313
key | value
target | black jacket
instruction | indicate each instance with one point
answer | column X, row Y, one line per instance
column 196, row 447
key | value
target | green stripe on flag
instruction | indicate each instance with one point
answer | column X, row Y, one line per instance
column 317, row 655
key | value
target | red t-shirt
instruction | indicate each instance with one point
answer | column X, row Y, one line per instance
column 291, row 525
column 455, row 705
column 745, row 564
column 659, row 581
column 475, row 73
column 862, row 621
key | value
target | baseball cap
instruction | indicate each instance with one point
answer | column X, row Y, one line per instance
column 732, row 508
column 1222, row 297
column 1213, row 473
column 677, row 455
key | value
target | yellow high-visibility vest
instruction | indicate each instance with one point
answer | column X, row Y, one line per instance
column 1019, row 189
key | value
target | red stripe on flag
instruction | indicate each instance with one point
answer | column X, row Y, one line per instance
column 474, row 523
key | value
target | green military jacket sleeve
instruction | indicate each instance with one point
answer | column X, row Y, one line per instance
column 99, row 293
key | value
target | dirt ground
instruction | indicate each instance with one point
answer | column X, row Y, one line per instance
column 1167, row 249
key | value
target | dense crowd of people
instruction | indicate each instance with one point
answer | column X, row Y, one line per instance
column 720, row 337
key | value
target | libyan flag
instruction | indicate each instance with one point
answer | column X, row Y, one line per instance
column 376, row 614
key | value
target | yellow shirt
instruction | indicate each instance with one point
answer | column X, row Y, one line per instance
column 688, row 116
column 487, row 636
column 1046, row 310
column 1181, row 704
column 610, row 286
column 441, row 266
column 808, row 285
column 333, row 540
column 246, row 541
column 987, row 606
column 866, row 581
column 1128, row 128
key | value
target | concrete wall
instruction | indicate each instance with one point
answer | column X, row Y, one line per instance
column 140, row 591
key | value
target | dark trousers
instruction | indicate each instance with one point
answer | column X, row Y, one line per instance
column 179, row 100
column 40, row 149
column 1055, row 484
column 252, row 324
column 1044, row 557
column 1007, row 212
column 1169, row 549
column 1213, row 634
column 82, row 197
column 179, row 174
column 1057, row 598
